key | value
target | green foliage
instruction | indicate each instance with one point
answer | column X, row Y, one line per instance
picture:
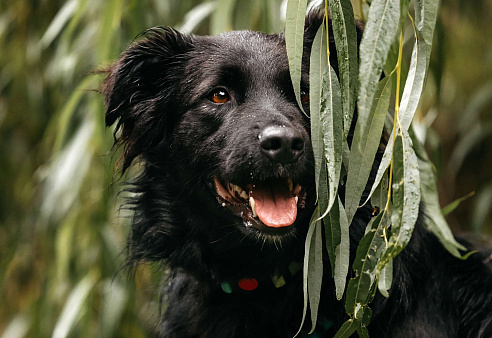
column 294, row 33
column 61, row 237
column 410, row 180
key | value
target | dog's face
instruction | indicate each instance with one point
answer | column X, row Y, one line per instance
column 243, row 127
column 216, row 119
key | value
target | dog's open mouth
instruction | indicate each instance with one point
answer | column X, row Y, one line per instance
column 272, row 203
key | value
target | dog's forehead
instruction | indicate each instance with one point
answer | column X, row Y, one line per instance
column 254, row 55
column 246, row 48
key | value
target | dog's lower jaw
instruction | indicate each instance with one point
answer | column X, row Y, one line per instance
column 270, row 206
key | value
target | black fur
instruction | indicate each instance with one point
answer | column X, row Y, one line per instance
column 159, row 95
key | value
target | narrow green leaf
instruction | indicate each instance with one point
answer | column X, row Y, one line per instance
column 338, row 245
column 383, row 166
column 109, row 27
column 345, row 35
column 425, row 22
column 404, row 5
column 332, row 128
column 294, row 39
column 406, row 189
column 380, row 195
column 74, row 307
column 115, row 298
column 358, row 323
column 453, row 205
column 363, row 332
column 386, row 278
column 405, row 197
column 368, row 251
column 481, row 208
column 435, row 221
column 342, row 252
column 348, row 328
column 364, row 147
column 221, row 20
column 331, row 222
column 305, row 272
column 18, row 327
column 196, row 16
column 379, row 33
column 317, row 65
column 56, row 26
column 366, row 315
column 315, row 272
column 69, row 109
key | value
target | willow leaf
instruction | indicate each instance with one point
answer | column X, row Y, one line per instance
column 425, row 22
column 74, row 306
column 411, row 195
column 349, row 327
column 294, row 39
column 380, row 196
column 425, row 15
column 363, row 332
column 345, row 35
column 368, row 251
column 331, row 223
column 453, row 205
column 315, row 272
column 405, row 196
column 364, row 147
column 332, row 128
column 305, row 272
column 342, row 252
column 317, row 65
column 386, row 278
column 221, row 20
column 56, row 26
column 383, row 166
column 435, row 221
column 338, row 245
column 380, row 30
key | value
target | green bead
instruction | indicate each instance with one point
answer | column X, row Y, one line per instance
column 226, row 287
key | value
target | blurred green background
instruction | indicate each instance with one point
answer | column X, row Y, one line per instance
column 62, row 234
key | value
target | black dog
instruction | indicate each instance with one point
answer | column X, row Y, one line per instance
column 226, row 193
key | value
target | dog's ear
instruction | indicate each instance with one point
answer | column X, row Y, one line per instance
column 140, row 87
column 315, row 18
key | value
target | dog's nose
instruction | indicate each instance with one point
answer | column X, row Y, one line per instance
column 281, row 144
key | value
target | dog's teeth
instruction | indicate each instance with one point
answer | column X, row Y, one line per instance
column 252, row 205
column 236, row 189
column 291, row 185
column 297, row 199
column 244, row 195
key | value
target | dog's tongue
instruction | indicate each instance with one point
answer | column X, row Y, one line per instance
column 274, row 204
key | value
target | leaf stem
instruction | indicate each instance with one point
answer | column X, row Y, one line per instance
column 327, row 34
column 397, row 109
column 361, row 6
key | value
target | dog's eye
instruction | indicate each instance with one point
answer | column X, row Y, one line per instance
column 220, row 96
column 304, row 97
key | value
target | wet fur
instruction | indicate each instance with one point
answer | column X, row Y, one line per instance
column 157, row 95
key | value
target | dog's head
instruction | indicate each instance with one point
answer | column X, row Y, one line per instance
column 216, row 124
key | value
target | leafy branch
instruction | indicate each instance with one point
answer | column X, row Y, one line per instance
column 404, row 178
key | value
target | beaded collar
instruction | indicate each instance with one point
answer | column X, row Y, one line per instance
column 247, row 284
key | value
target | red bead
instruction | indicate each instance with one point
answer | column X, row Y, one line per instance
column 248, row 284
